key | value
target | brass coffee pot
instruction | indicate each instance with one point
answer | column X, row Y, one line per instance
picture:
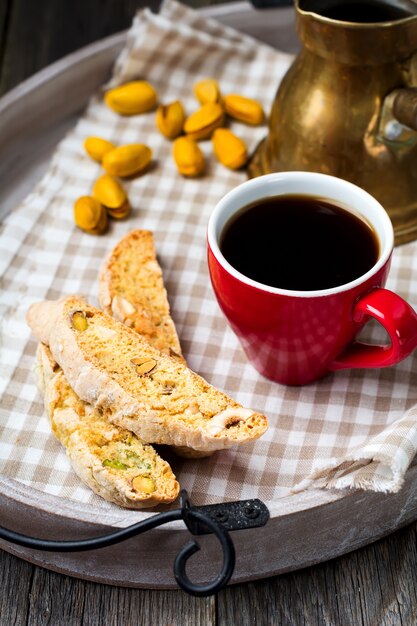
column 348, row 104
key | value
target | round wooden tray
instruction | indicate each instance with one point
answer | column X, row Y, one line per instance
column 305, row 528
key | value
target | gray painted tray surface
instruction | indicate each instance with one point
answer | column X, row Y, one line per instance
column 304, row 528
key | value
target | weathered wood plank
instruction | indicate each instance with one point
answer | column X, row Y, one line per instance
column 40, row 32
column 55, row 600
column 5, row 11
column 33, row 596
column 15, row 583
column 5, row 7
column 107, row 605
column 374, row 586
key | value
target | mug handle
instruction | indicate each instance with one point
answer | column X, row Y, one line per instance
column 399, row 320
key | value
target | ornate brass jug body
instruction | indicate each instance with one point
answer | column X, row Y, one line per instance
column 347, row 105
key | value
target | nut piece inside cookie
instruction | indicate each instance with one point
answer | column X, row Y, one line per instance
column 228, row 417
column 144, row 484
column 144, row 365
column 121, row 308
column 79, row 321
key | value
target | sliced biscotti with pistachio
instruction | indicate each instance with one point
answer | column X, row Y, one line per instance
column 110, row 460
column 113, row 368
column 131, row 288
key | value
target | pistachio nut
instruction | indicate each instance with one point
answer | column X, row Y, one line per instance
column 79, row 321
column 121, row 212
column 202, row 123
column 90, row 215
column 109, row 192
column 188, row 157
column 132, row 98
column 143, row 484
column 102, row 225
column 229, row 149
column 244, row 109
column 96, row 147
column 114, row 464
column 207, row 90
column 127, row 160
column 170, row 119
column 144, row 365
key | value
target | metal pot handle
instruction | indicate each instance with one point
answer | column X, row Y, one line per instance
column 404, row 106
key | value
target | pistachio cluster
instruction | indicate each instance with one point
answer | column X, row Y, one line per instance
column 108, row 198
column 205, row 123
column 208, row 123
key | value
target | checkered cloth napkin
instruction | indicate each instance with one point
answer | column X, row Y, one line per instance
column 352, row 429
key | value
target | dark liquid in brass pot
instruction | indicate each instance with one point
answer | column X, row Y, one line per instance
column 299, row 242
column 366, row 12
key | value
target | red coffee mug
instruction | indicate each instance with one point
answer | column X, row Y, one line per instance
column 296, row 337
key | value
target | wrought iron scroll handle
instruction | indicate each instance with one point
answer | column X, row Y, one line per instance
column 197, row 522
column 217, row 519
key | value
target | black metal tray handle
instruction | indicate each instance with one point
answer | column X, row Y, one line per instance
column 218, row 519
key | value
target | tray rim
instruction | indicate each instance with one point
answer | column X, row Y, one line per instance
column 85, row 512
column 51, row 71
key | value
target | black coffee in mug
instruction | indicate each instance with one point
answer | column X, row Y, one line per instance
column 299, row 242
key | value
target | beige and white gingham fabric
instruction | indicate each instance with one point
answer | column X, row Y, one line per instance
column 352, row 429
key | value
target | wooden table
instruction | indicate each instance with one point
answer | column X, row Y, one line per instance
column 373, row 586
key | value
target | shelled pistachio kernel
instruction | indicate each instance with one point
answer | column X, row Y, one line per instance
column 244, row 109
column 188, row 157
column 96, row 147
column 170, row 119
column 128, row 160
column 202, row 123
column 229, row 149
column 90, row 215
column 143, row 484
column 79, row 321
column 132, row 98
column 144, row 365
column 114, row 464
column 207, row 90
column 110, row 193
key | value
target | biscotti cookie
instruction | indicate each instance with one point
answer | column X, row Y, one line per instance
column 131, row 289
column 110, row 460
column 113, row 368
